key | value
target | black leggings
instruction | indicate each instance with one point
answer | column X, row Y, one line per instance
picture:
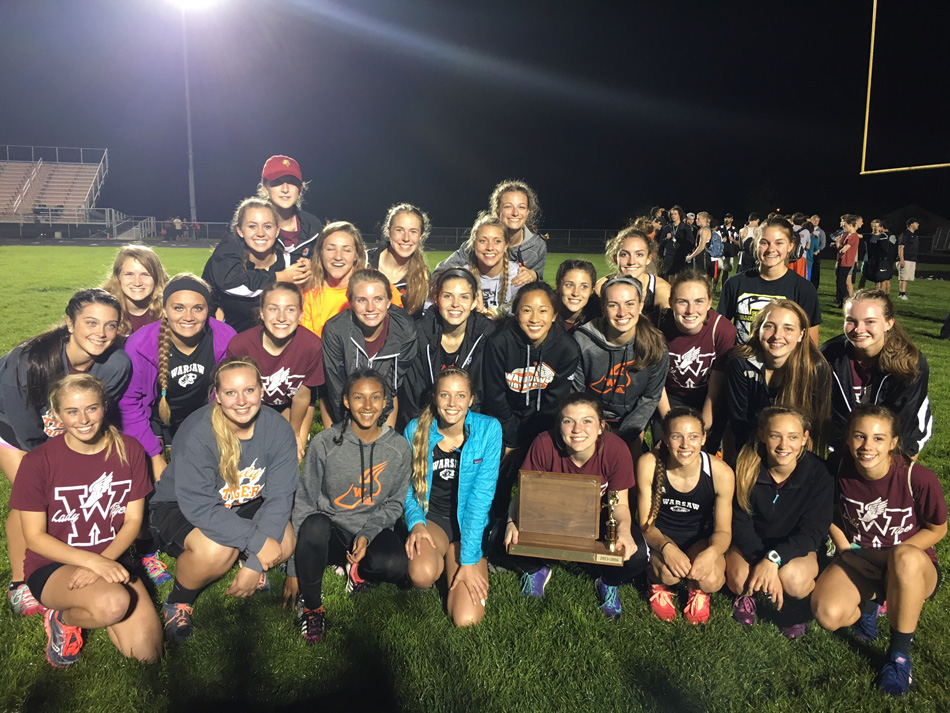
column 320, row 542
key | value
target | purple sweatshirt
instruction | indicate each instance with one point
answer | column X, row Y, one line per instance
column 135, row 406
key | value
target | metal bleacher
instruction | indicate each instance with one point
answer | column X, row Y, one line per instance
column 50, row 183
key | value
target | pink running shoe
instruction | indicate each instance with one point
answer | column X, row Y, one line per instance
column 23, row 601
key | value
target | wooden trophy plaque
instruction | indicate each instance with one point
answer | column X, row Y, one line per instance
column 559, row 518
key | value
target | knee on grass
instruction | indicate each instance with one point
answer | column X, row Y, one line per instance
column 467, row 616
column 423, row 572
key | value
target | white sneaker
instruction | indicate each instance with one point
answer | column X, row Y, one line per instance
column 904, row 297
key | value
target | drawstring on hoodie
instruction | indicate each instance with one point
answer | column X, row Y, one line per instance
column 535, row 377
column 364, row 478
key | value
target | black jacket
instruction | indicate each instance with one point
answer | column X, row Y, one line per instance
column 236, row 285
column 908, row 401
column 792, row 520
column 523, row 383
column 344, row 351
column 747, row 394
column 310, row 227
column 416, row 390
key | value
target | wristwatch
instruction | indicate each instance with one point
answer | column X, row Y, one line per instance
column 773, row 556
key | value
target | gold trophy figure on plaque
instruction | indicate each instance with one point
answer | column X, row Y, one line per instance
column 613, row 499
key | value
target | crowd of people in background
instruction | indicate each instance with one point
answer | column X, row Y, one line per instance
column 174, row 415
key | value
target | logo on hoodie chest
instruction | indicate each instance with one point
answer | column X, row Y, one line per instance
column 535, row 377
column 616, row 380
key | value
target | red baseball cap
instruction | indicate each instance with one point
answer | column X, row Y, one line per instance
column 280, row 166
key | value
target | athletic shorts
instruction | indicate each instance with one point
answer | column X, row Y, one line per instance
column 908, row 272
column 170, row 527
column 37, row 581
column 449, row 525
column 936, row 584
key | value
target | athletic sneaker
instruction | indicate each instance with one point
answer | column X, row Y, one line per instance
column 532, row 585
column 794, row 631
column 313, row 625
column 696, row 610
column 661, row 602
column 64, row 641
column 23, row 601
column 156, row 570
column 865, row 628
column 743, row 610
column 904, row 297
column 178, row 620
column 608, row 596
column 894, row 678
column 354, row 583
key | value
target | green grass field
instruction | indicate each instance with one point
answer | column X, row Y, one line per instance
column 391, row 649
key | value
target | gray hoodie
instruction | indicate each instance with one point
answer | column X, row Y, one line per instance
column 267, row 469
column 630, row 394
column 532, row 253
column 360, row 486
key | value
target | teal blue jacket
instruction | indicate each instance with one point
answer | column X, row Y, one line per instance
column 478, row 475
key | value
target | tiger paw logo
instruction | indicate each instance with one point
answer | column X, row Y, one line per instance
column 616, row 380
column 52, row 426
column 248, row 487
column 356, row 496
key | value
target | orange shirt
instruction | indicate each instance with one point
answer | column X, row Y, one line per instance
column 322, row 303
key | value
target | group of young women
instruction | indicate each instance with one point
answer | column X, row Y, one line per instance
column 434, row 390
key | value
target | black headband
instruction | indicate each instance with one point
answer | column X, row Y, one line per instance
column 457, row 273
column 180, row 284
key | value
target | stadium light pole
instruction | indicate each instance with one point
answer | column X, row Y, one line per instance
column 191, row 150
column 184, row 7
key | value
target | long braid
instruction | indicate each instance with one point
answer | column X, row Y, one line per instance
column 164, row 347
column 344, row 422
column 659, row 481
column 420, row 456
column 503, row 283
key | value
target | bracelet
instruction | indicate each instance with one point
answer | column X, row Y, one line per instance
column 668, row 542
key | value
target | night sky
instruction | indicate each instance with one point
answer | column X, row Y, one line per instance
column 605, row 108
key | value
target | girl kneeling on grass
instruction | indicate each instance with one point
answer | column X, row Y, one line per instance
column 685, row 505
column 352, row 488
column 228, row 490
column 780, row 518
column 81, row 499
column 581, row 444
column 890, row 513
column 455, row 458
column 83, row 343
